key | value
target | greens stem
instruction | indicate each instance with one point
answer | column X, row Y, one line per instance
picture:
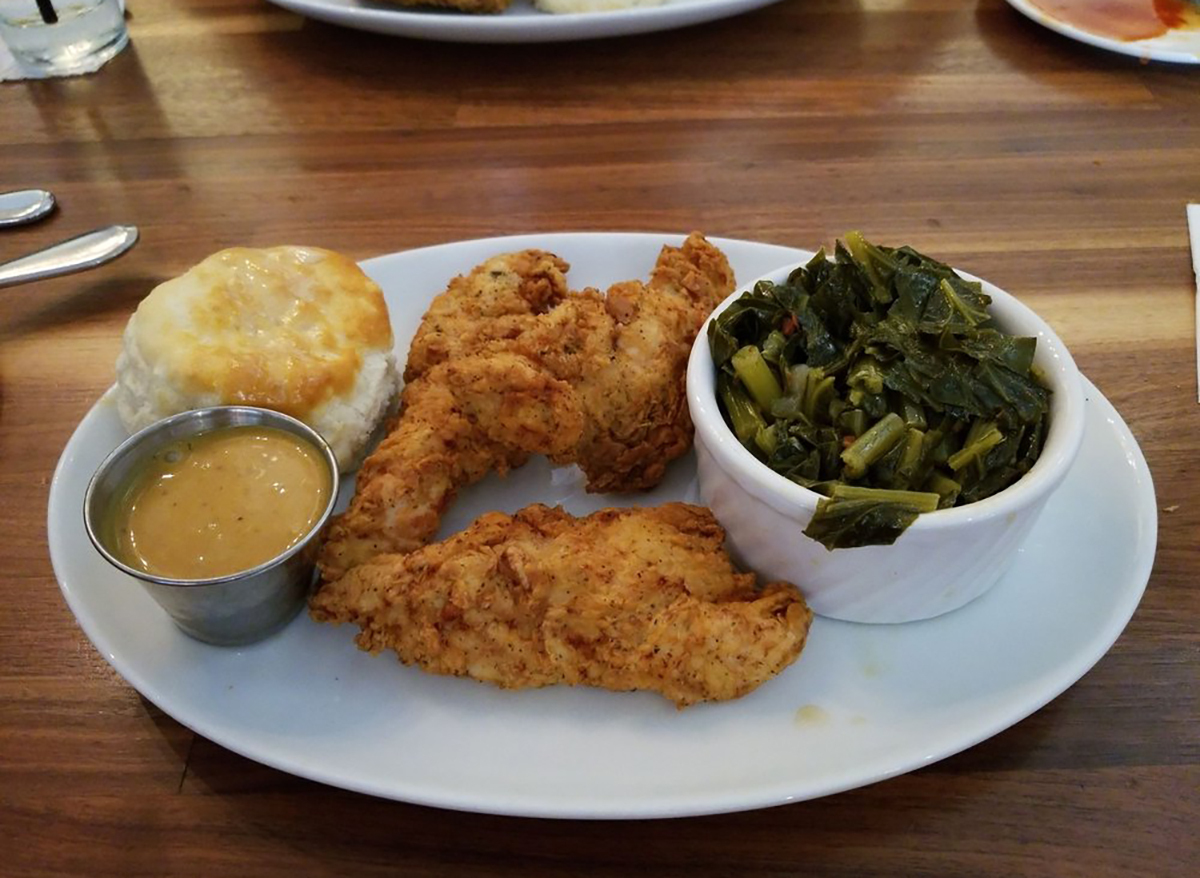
column 984, row 441
column 922, row 501
column 912, row 456
column 766, row 439
column 757, row 376
column 946, row 488
column 873, row 444
column 742, row 413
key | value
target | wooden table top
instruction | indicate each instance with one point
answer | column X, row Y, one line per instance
column 1057, row 171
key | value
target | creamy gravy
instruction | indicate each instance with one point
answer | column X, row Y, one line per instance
column 221, row 502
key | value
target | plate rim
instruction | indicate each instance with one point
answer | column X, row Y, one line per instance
column 444, row 25
column 1063, row 676
column 1142, row 49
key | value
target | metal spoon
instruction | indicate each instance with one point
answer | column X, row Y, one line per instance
column 86, row 251
column 25, row 206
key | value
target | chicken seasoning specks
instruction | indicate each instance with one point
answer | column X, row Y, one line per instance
column 639, row 598
column 508, row 362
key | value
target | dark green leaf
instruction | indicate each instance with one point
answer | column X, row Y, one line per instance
column 848, row 524
column 879, row 333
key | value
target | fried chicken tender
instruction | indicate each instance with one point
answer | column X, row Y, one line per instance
column 508, row 363
column 638, row 598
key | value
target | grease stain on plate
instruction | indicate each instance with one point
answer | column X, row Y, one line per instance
column 811, row 715
column 871, row 666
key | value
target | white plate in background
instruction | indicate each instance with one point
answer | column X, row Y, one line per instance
column 520, row 23
column 862, row 703
column 1181, row 45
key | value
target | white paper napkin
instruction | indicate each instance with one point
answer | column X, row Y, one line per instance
column 12, row 69
column 1193, row 216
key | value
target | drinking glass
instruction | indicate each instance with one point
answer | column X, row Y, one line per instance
column 63, row 36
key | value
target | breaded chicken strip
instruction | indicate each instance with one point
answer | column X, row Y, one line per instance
column 507, row 363
column 639, row 598
column 498, row 300
column 454, row 428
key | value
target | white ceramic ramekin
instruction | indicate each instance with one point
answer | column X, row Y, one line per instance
column 942, row 561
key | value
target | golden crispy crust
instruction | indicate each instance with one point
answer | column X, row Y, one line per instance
column 624, row 353
column 499, row 299
column 453, row 430
column 522, row 366
column 639, row 598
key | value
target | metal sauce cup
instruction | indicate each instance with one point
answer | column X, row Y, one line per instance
column 228, row 610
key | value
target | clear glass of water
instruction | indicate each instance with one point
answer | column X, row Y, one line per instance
column 63, row 36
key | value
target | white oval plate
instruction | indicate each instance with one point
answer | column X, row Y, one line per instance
column 863, row 702
column 1180, row 46
column 520, row 23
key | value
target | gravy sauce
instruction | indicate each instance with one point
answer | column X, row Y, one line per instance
column 221, row 502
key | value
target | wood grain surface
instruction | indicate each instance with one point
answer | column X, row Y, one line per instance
column 1057, row 171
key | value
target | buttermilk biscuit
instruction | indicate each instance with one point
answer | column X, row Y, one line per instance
column 295, row 329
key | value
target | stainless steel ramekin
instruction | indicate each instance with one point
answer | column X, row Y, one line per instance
column 228, row 610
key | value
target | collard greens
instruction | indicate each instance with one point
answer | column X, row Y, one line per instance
column 879, row 379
